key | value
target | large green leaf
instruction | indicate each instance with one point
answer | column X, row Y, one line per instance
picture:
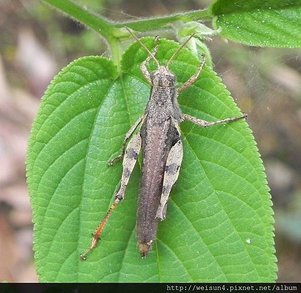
column 269, row 23
column 219, row 224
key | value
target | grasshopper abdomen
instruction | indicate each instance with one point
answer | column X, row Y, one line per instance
column 157, row 140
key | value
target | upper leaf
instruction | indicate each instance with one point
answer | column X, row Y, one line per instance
column 219, row 224
column 269, row 23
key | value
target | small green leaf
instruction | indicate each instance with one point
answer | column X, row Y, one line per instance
column 219, row 224
column 269, row 23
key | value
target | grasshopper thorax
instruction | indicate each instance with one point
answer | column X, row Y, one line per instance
column 162, row 77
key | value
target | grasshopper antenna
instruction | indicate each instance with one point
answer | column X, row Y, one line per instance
column 179, row 49
column 149, row 52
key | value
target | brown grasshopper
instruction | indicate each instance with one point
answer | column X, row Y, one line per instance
column 157, row 133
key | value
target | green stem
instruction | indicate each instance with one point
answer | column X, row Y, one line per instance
column 105, row 27
column 113, row 31
column 115, row 51
column 147, row 24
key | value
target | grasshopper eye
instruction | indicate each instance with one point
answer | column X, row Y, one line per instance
column 166, row 82
column 156, row 80
column 169, row 81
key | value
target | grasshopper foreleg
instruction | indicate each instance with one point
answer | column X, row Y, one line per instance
column 129, row 160
column 193, row 78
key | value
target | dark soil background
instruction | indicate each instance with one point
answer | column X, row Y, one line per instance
column 35, row 42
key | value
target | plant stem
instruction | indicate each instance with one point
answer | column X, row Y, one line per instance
column 104, row 26
column 115, row 51
column 112, row 31
column 147, row 24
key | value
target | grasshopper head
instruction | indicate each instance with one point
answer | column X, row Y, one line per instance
column 162, row 77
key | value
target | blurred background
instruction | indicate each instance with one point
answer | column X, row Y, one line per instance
column 36, row 42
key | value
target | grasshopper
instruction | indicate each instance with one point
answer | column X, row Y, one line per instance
column 158, row 134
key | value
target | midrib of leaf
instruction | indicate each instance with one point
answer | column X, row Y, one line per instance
column 180, row 262
column 157, row 274
column 124, row 254
column 158, row 260
column 190, row 223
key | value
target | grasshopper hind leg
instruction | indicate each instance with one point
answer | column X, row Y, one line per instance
column 127, row 137
column 129, row 160
column 171, row 175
